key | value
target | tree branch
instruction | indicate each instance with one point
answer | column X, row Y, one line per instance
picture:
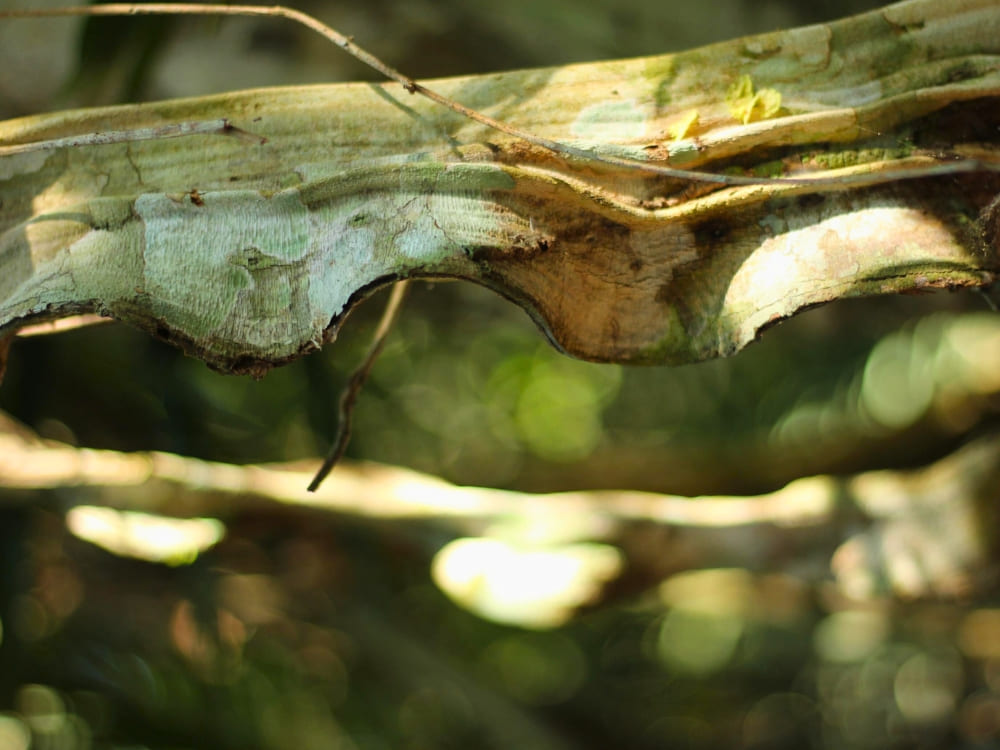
column 919, row 533
column 250, row 255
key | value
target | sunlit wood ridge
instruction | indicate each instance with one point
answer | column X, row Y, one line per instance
column 348, row 186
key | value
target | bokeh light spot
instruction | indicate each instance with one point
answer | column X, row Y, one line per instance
column 698, row 643
column 979, row 634
column 14, row 735
column 927, row 687
column 850, row 636
column 534, row 587
column 898, row 382
column 175, row 541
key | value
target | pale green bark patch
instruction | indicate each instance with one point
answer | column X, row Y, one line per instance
column 200, row 260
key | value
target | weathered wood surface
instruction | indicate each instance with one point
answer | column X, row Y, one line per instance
column 248, row 254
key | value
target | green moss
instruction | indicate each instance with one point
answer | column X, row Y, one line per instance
column 660, row 74
column 775, row 168
column 854, row 157
column 675, row 347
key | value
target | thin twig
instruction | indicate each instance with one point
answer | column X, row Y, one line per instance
column 563, row 149
column 356, row 382
column 176, row 130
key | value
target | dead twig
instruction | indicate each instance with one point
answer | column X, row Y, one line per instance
column 356, row 382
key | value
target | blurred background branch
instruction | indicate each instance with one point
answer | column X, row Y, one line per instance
column 929, row 532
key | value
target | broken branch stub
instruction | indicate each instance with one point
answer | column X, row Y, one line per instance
column 248, row 254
